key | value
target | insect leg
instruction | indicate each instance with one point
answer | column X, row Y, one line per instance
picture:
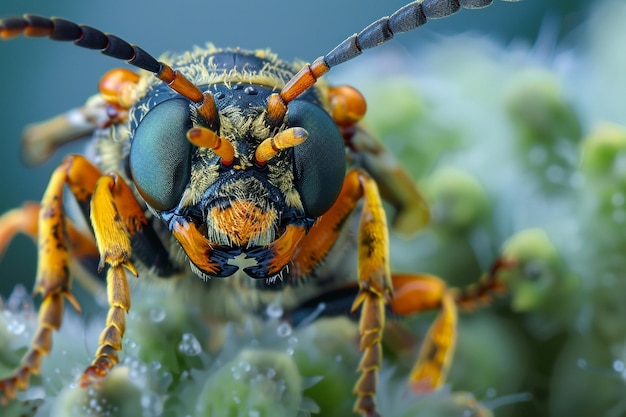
column 375, row 288
column 25, row 220
column 19, row 220
column 415, row 293
column 53, row 280
column 318, row 242
column 395, row 184
column 115, row 216
column 374, row 277
column 40, row 140
column 480, row 292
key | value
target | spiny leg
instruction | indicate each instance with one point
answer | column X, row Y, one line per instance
column 374, row 277
column 25, row 220
column 53, row 280
column 81, row 243
column 375, row 289
column 414, row 293
column 417, row 293
column 116, row 216
column 121, row 221
column 480, row 293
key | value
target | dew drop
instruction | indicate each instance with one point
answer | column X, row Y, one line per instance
column 189, row 345
column 16, row 327
column 19, row 300
column 251, row 91
column 619, row 366
column 274, row 311
column 157, row 314
column 151, row 404
column 129, row 344
column 245, row 365
column 283, row 329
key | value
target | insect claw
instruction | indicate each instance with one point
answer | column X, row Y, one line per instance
column 73, row 301
column 131, row 268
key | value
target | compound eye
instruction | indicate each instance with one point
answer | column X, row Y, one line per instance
column 160, row 154
column 320, row 162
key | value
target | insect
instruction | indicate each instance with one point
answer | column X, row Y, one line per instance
column 249, row 167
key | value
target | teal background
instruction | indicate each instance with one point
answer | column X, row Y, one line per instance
column 40, row 78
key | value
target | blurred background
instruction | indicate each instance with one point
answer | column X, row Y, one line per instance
column 504, row 95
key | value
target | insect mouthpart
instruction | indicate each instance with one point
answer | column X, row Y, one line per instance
column 242, row 223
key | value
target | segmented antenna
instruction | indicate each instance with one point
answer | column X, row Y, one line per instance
column 405, row 19
column 111, row 45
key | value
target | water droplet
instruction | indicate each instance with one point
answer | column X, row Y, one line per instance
column 157, row 314
column 19, row 300
column 245, row 365
column 283, row 329
column 152, row 405
column 250, row 91
column 16, row 326
column 618, row 366
column 166, row 379
column 274, row 311
column 338, row 358
column 129, row 344
column 189, row 345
